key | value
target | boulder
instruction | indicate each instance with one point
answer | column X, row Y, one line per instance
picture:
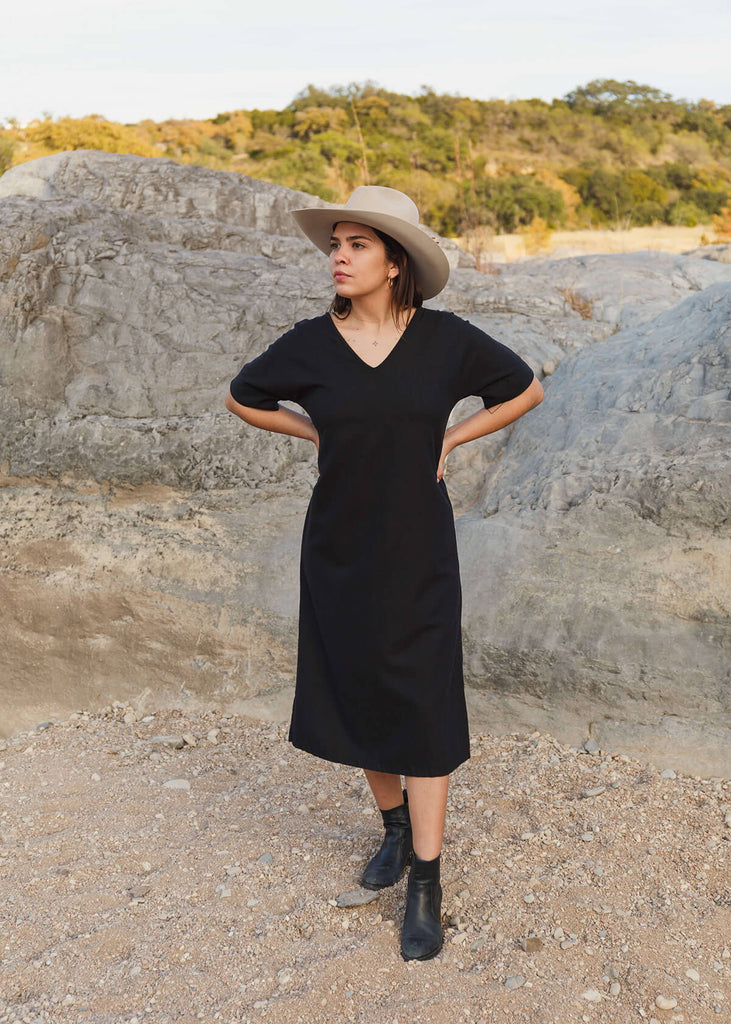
column 603, row 546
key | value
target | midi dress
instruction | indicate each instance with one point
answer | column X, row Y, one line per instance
column 379, row 680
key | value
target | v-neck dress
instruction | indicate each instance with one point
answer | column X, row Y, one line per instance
column 379, row 681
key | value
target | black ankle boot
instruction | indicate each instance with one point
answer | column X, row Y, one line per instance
column 389, row 864
column 422, row 936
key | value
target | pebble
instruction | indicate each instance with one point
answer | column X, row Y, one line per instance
column 668, row 773
column 591, row 746
column 532, row 944
column 548, row 367
column 665, row 1003
column 175, row 741
column 266, row 858
column 615, row 988
column 692, row 974
column 591, row 995
column 588, row 837
column 598, row 871
column 303, row 809
column 514, row 981
column 212, row 737
column 190, row 739
column 529, row 898
column 357, row 897
column 96, row 777
column 594, row 791
column 177, row 784
column 138, row 891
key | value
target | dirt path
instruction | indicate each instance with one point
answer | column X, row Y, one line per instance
column 147, row 882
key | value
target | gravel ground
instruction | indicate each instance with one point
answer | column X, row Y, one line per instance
column 186, row 866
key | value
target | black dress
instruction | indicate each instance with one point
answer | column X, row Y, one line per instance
column 379, row 661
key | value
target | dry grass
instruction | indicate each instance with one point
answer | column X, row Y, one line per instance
column 577, row 302
column 490, row 248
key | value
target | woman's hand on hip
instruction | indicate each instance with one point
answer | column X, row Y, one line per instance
column 316, row 442
column 446, row 449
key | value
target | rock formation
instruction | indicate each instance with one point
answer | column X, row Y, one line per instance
column 152, row 540
column 607, row 521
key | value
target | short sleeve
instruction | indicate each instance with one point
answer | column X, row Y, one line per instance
column 271, row 376
column 488, row 368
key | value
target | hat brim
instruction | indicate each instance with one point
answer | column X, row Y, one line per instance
column 431, row 266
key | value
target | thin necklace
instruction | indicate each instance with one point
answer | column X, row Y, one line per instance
column 375, row 341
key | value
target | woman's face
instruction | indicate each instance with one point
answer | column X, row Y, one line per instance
column 358, row 261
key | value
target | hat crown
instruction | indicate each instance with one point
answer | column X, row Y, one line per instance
column 385, row 201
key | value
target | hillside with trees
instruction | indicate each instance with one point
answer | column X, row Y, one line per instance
column 608, row 154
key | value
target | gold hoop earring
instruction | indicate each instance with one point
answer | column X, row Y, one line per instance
column 389, row 281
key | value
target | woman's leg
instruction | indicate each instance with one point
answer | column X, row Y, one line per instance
column 389, row 863
column 422, row 935
column 428, row 811
column 386, row 789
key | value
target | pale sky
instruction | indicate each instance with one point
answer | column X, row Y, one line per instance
column 177, row 58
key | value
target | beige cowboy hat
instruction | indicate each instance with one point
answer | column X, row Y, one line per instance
column 389, row 211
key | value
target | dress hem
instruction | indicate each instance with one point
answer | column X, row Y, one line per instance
column 390, row 770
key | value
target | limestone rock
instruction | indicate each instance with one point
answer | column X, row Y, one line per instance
column 719, row 252
column 605, row 530
column 152, row 540
column 159, row 189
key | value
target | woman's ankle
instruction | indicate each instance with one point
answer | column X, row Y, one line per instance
column 429, row 851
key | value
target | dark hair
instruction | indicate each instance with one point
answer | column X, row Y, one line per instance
column 405, row 293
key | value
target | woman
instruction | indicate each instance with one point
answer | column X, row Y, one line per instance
column 379, row 665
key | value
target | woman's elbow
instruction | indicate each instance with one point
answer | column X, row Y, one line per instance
column 524, row 402
column 534, row 393
column 230, row 402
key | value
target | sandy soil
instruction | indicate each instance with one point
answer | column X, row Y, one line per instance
column 184, row 865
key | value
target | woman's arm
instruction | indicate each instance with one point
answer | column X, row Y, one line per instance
column 281, row 421
column 487, row 421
